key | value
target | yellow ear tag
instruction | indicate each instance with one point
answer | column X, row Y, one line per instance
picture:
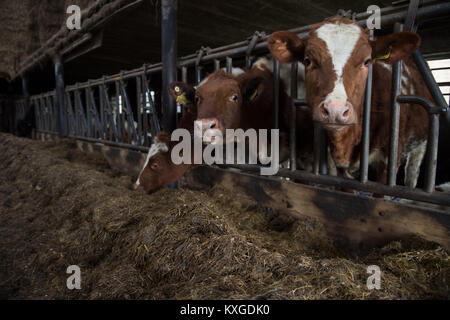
column 253, row 96
column 385, row 55
column 181, row 99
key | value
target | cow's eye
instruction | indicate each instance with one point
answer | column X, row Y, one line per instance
column 234, row 98
column 307, row 62
column 155, row 166
column 366, row 63
column 197, row 99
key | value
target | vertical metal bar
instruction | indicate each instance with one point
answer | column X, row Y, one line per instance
column 276, row 93
column 184, row 74
column 37, row 103
column 316, row 147
column 216, row 64
column 102, row 112
column 198, row 74
column 44, row 113
column 77, row 115
column 91, row 132
column 323, row 161
column 48, row 125
column 145, row 110
column 51, row 120
column 122, row 107
column 69, row 114
column 26, row 93
column 293, row 118
column 82, row 114
column 152, row 108
column 123, row 113
column 395, row 118
column 229, row 64
column 110, row 113
column 54, row 115
column 248, row 62
column 169, row 60
column 37, row 113
column 75, row 121
column 140, row 110
column 90, row 111
column 116, row 114
column 130, row 118
column 94, row 111
column 432, row 151
column 364, row 161
column 56, row 112
column 59, row 78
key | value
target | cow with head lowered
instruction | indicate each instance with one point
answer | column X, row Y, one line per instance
column 158, row 170
column 336, row 56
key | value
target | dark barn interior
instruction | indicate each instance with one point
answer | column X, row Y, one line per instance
column 129, row 38
column 92, row 101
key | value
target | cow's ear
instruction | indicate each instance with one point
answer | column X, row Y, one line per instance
column 182, row 92
column 286, row 46
column 395, row 47
column 252, row 89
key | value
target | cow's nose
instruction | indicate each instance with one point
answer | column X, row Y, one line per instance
column 337, row 112
column 205, row 124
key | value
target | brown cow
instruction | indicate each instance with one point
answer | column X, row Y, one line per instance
column 336, row 56
column 245, row 101
column 252, row 109
column 159, row 171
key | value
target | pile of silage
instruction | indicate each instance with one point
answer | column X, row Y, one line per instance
column 61, row 207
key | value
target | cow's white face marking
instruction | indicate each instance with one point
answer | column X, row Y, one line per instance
column 157, row 147
column 340, row 40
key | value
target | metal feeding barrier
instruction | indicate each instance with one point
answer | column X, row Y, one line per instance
column 101, row 110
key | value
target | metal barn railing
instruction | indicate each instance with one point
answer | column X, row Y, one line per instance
column 101, row 111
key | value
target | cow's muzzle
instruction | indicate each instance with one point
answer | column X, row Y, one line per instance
column 336, row 113
column 207, row 129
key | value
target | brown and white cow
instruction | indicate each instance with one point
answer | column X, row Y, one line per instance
column 245, row 101
column 336, row 56
column 159, row 171
column 223, row 101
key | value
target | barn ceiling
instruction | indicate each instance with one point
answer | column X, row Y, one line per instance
column 133, row 37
